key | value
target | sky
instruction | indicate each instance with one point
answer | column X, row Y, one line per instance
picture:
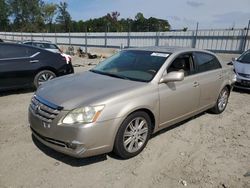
column 210, row 14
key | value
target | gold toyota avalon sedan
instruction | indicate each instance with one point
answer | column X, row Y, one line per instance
column 120, row 103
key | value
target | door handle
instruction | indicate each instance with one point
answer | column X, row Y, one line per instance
column 196, row 84
column 220, row 76
column 34, row 61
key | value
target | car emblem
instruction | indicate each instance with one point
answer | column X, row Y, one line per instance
column 37, row 108
column 46, row 125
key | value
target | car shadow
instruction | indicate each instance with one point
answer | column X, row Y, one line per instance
column 16, row 91
column 171, row 127
column 75, row 162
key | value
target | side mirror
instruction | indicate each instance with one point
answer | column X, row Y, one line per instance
column 234, row 59
column 230, row 63
column 172, row 77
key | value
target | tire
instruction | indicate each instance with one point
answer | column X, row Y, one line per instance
column 137, row 127
column 43, row 76
column 221, row 102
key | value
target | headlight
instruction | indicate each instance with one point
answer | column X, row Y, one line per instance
column 87, row 114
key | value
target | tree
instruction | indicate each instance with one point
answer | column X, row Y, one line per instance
column 112, row 21
column 63, row 17
column 27, row 15
column 139, row 16
column 49, row 11
column 4, row 15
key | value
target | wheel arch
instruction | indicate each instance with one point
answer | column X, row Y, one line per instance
column 46, row 68
column 148, row 112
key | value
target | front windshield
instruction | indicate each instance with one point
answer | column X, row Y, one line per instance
column 245, row 57
column 132, row 65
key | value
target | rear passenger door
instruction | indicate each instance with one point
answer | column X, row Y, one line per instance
column 15, row 65
column 209, row 74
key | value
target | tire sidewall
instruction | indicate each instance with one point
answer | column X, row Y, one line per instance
column 119, row 146
column 35, row 82
column 217, row 103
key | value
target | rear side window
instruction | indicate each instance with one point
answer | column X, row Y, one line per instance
column 206, row 62
column 15, row 51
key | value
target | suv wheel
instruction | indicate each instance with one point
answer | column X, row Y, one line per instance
column 43, row 76
column 133, row 135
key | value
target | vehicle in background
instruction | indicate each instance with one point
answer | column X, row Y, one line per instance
column 25, row 66
column 122, row 101
column 242, row 70
column 49, row 46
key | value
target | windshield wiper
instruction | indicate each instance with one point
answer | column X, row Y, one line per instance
column 109, row 74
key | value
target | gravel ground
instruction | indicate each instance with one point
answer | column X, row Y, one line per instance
column 205, row 151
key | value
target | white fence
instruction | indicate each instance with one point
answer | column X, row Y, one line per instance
column 225, row 41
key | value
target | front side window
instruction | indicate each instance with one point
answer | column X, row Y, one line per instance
column 183, row 63
column 206, row 62
column 133, row 65
column 245, row 57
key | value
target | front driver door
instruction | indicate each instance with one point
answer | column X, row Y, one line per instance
column 179, row 100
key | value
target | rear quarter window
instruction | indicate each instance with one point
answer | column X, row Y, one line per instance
column 206, row 62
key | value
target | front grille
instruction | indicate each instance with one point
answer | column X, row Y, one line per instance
column 44, row 110
column 244, row 75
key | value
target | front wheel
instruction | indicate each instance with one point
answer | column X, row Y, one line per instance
column 42, row 77
column 133, row 135
column 222, row 101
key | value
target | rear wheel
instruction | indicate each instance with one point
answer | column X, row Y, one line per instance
column 42, row 77
column 133, row 135
column 222, row 101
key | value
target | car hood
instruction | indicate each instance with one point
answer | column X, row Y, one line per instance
column 243, row 68
column 88, row 88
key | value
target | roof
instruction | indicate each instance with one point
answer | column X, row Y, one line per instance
column 167, row 49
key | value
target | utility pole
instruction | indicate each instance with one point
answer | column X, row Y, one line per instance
column 195, row 36
column 246, row 37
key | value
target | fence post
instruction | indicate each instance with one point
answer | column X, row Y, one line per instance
column 242, row 41
column 195, row 36
column 86, row 41
column 157, row 38
column 55, row 39
column 128, row 41
column 105, row 39
column 69, row 39
column 128, row 37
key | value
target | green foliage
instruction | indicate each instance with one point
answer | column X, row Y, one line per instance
column 48, row 12
column 38, row 16
column 4, row 15
column 63, row 18
column 27, row 15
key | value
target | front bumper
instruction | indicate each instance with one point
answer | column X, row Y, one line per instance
column 242, row 83
column 66, row 69
column 77, row 140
